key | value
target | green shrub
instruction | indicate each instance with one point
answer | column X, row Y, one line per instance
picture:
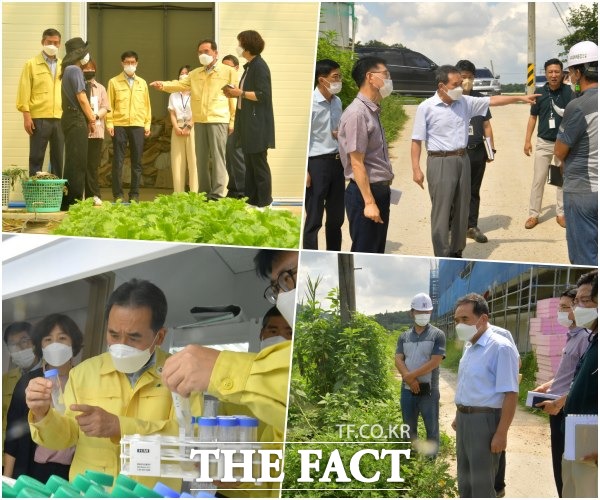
column 346, row 376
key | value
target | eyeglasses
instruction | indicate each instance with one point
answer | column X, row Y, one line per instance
column 23, row 343
column 286, row 281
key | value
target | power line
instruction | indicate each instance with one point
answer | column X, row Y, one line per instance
column 561, row 17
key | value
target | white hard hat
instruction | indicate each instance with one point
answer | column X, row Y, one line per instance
column 421, row 302
column 582, row 53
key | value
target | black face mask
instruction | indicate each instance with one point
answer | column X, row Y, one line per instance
column 89, row 75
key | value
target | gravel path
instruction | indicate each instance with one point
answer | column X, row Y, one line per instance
column 504, row 206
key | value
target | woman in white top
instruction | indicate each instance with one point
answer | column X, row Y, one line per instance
column 183, row 153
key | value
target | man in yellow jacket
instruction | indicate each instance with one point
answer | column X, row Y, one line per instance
column 116, row 393
column 259, row 381
column 213, row 116
column 128, row 122
column 39, row 99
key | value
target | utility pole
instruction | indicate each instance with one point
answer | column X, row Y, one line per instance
column 347, row 289
column 530, row 48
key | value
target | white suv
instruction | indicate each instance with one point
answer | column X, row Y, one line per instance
column 486, row 83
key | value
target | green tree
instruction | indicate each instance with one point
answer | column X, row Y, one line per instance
column 584, row 20
column 326, row 49
column 376, row 43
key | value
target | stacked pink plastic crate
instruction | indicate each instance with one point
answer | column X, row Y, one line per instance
column 548, row 339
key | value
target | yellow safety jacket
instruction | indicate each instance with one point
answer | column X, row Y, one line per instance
column 209, row 104
column 259, row 383
column 143, row 409
column 38, row 93
column 129, row 106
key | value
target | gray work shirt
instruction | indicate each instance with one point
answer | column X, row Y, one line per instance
column 361, row 131
column 418, row 349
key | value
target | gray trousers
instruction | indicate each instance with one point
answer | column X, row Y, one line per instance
column 449, row 183
column 476, row 464
column 210, row 139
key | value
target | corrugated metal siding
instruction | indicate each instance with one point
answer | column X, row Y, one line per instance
column 22, row 27
column 290, row 34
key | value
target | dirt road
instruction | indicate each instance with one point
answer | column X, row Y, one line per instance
column 528, row 457
column 504, row 201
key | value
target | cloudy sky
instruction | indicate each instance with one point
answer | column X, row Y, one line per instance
column 384, row 282
column 481, row 32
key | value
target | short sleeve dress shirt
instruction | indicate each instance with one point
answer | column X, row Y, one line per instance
column 361, row 131
column 445, row 127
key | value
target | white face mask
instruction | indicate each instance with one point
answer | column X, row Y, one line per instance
column 57, row 354
column 85, row 60
column 387, row 88
column 128, row 359
column 50, row 50
column 24, row 358
column 286, row 303
column 335, row 87
column 422, row 319
column 184, row 77
column 465, row 332
column 563, row 319
column 130, row 69
column 585, row 316
column 239, row 51
column 278, row 339
column 454, row 94
column 205, row 59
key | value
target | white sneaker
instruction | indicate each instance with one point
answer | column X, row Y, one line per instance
column 97, row 202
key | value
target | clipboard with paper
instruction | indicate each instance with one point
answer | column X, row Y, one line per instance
column 581, row 436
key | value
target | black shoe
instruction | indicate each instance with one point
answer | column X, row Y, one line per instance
column 501, row 493
column 134, row 197
column 457, row 255
column 475, row 234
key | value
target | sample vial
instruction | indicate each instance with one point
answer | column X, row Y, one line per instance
column 248, row 429
column 211, row 406
column 227, row 430
column 207, row 429
column 57, row 393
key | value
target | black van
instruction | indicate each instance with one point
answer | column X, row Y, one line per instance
column 413, row 74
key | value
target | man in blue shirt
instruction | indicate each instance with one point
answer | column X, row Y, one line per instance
column 442, row 121
column 325, row 178
column 486, row 397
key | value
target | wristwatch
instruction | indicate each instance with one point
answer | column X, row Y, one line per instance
column 243, row 94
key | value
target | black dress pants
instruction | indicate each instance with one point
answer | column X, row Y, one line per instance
column 325, row 194
column 75, row 130
column 93, row 164
column 367, row 236
column 477, row 157
column 46, row 131
column 135, row 137
column 236, row 167
column 258, row 179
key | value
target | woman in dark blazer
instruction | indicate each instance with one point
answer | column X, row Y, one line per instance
column 254, row 123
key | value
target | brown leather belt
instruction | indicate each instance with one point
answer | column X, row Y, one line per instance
column 476, row 409
column 435, row 154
